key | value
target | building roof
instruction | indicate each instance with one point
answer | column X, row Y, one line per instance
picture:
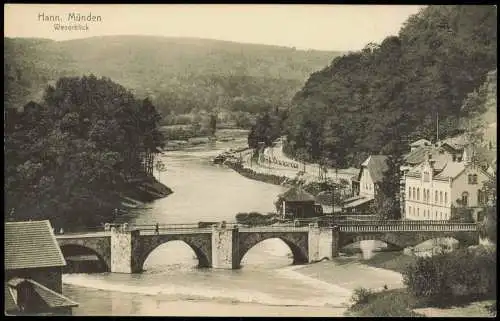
column 358, row 202
column 418, row 155
column 52, row 298
column 48, row 296
column 297, row 194
column 420, row 142
column 451, row 170
column 456, row 142
column 31, row 244
column 10, row 303
column 376, row 165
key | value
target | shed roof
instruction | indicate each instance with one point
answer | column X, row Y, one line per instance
column 297, row 194
column 50, row 297
column 376, row 165
column 31, row 244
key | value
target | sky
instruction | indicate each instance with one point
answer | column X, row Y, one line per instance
column 320, row 27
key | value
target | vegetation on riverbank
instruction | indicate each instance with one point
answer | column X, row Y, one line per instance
column 445, row 280
column 256, row 219
column 74, row 156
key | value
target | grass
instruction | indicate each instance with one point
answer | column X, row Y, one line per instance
column 388, row 303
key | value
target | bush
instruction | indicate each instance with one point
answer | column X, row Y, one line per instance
column 457, row 277
column 361, row 295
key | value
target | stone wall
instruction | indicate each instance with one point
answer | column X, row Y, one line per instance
column 100, row 246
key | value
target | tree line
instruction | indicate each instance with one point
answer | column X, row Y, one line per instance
column 369, row 101
column 69, row 157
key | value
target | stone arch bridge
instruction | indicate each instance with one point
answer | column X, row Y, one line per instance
column 124, row 249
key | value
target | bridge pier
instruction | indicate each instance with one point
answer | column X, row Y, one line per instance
column 123, row 243
column 225, row 247
column 322, row 243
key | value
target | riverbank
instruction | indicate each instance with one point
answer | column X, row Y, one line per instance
column 390, row 297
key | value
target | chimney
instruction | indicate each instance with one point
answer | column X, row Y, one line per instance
column 430, row 160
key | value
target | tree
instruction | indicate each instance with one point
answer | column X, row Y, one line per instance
column 69, row 157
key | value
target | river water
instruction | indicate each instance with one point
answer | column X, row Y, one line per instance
column 172, row 285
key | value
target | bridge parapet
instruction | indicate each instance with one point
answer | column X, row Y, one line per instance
column 455, row 227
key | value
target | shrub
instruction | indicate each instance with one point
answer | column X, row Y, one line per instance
column 456, row 277
column 361, row 295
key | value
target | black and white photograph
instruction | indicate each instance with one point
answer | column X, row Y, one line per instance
column 250, row 160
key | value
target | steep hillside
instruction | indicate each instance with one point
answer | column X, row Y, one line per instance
column 181, row 74
column 372, row 101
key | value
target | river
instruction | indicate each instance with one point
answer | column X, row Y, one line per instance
column 266, row 285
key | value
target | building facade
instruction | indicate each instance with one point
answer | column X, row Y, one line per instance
column 431, row 192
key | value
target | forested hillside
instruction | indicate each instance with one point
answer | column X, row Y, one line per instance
column 181, row 75
column 369, row 101
column 69, row 157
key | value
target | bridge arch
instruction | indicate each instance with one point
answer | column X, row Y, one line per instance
column 103, row 263
column 201, row 246
column 402, row 240
column 297, row 244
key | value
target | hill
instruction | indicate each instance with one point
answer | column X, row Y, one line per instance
column 370, row 101
column 182, row 75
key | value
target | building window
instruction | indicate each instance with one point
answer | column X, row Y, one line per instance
column 414, row 194
column 418, row 211
column 472, row 179
column 445, row 198
column 465, row 198
column 441, row 197
column 426, row 176
column 418, row 194
column 436, row 196
column 409, row 192
column 428, row 196
column 480, row 197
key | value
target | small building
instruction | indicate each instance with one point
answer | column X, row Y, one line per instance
column 33, row 270
column 297, row 203
column 370, row 175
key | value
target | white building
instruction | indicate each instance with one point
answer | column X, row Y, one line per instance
column 434, row 187
column 370, row 175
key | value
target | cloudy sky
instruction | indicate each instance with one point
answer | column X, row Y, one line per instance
column 322, row 27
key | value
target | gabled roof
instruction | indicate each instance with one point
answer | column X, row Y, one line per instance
column 297, row 194
column 418, row 155
column 31, row 244
column 376, row 166
column 451, row 170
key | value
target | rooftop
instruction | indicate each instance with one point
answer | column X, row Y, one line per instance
column 49, row 297
column 376, row 165
column 297, row 194
column 31, row 244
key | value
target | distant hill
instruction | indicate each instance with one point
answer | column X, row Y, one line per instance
column 181, row 74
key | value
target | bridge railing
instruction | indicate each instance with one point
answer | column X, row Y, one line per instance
column 453, row 227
